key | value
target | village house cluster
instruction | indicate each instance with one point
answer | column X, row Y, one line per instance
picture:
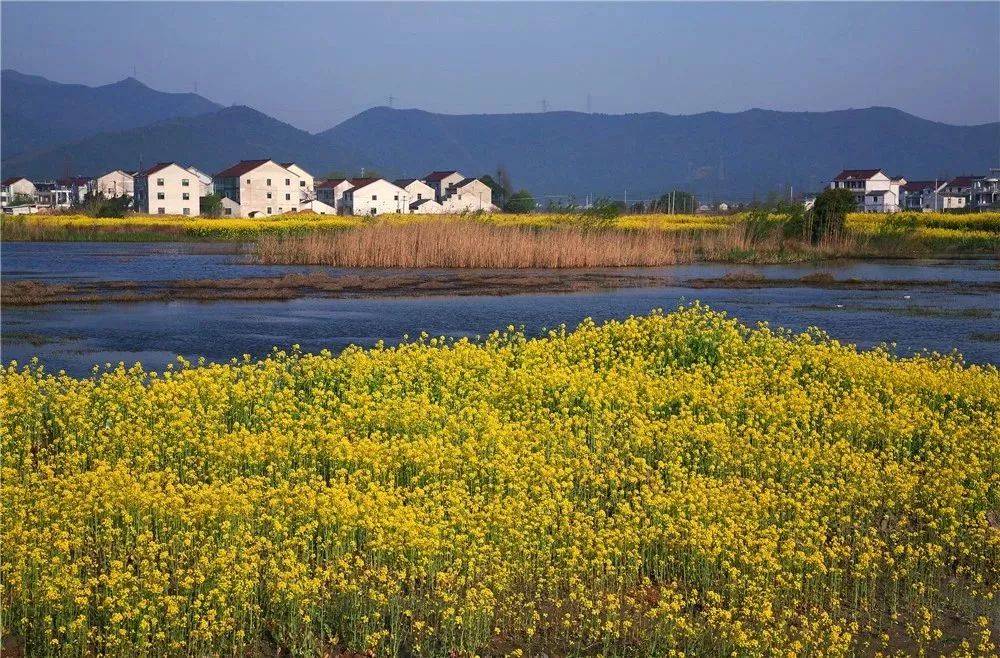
column 254, row 188
column 876, row 191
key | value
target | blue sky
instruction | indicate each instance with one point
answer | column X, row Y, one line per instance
column 315, row 64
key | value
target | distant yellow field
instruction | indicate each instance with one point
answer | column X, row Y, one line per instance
column 903, row 232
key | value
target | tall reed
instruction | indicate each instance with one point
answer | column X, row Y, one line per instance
column 471, row 244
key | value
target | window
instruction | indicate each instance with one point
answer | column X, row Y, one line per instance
column 229, row 211
column 184, row 182
column 420, row 195
column 268, row 181
column 302, row 183
column 159, row 181
column 374, row 197
column 185, row 196
column 395, row 198
column 187, row 211
column 248, row 181
column 288, row 181
column 160, row 196
column 268, row 195
column 294, row 208
column 288, row 197
column 161, row 211
column 269, row 210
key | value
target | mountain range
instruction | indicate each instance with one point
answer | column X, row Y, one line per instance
column 51, row 128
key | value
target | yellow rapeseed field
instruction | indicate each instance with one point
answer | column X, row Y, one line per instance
column 665, row 485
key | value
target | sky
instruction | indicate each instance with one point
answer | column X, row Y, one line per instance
column 316, row 64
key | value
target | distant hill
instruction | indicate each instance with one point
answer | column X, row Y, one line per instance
column 210, row 142
column 38, row 112
column 721, row 155
column 48, row 126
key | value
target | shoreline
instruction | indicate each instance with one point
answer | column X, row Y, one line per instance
column 456, row 282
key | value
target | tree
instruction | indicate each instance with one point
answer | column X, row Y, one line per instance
column 22, row 199
column 829, row 213
column 496, row 189
column 211, row 205
column 602, row 213
column 504, row 179
column 95, row 205
column 520, row 202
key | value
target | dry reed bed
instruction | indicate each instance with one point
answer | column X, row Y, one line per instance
column 470, row 244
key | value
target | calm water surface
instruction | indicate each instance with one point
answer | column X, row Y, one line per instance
column 75, row 337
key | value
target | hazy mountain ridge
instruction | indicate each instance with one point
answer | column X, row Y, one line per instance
column 38, row 113
column 210, row 142
column 716, row 154
column 720, row 155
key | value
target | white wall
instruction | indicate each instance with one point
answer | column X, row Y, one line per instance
column 471, row 197
column 270, row 189
column 306, row 182
column 170, row 182
column 376, row 198
column 418, row 190
column 114, row 184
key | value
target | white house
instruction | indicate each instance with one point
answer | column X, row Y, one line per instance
column 426, row 207
column 374, row 196
column 115, row 184
column 468, row 195
column 260, row 187
column 167, row 188
column 230, row 208
column 331, row 192
column 441, row 181
column 205, row 186
column 318, row 207
column 867, row 184
column 306, row 181
column 16, row 185
column 416, row 189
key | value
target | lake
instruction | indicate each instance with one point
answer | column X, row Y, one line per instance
column 75, row 337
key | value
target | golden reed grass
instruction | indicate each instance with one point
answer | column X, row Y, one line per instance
column 470, row 244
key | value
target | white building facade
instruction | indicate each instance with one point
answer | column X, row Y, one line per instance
column 375, row 196
column 167, row 188
column 873, row 189
column 307, row 189
column 259, row 187
column 115, row 184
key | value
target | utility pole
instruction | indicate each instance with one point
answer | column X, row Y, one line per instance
column 545, row 105
column 391, row 99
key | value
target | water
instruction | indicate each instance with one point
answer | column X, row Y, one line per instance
column 75, row 337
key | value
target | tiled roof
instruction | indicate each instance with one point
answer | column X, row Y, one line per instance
column 856, row 174
column 242, row 167
column 358, row 183
column 417, row 204
column 437, row 176
column 12, row 180
column 403, row 182
column 155, row 168
column 963, row 181
column 330, row 183
column 918, row 185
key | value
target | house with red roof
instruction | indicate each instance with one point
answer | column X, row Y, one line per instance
column 873, row 189
column 259, row 187
column 167, row 188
